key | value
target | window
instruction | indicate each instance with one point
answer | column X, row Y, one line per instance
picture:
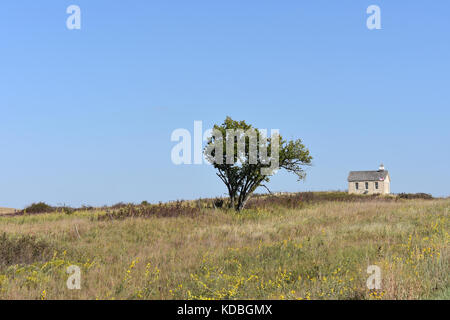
column 367, row 186
column 356, row 185
column 376, row 185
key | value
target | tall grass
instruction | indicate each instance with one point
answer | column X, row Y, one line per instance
column 278, row 249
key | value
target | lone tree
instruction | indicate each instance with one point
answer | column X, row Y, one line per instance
column 246, row 157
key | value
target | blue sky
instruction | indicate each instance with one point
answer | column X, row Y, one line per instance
column 86, row 115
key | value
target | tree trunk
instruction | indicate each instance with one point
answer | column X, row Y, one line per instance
column 231, row 203
column 243, row 202
column 232, row 200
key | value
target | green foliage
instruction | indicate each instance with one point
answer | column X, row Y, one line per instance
column 67, row 210
column 40, row 207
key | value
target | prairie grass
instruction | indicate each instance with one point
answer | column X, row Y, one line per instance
column 279, row 249
column 6, row 211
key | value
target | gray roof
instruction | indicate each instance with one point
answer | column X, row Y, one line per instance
column 367, row 175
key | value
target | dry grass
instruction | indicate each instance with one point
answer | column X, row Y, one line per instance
column 313, row 251
column 7, row 211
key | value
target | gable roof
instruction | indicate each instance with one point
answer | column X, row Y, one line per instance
column 379, row 175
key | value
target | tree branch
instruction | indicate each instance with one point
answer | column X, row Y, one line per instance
column 263, row 185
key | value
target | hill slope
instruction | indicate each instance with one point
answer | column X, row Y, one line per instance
column 6, row 210
column 313, row 251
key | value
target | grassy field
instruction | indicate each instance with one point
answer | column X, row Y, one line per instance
column 6, row 211
column 287, row 249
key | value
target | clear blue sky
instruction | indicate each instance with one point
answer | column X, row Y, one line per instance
column 86, row 115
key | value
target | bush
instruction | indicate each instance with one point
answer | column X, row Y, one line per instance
column 218, row 203
column 67, row 210
column 40, row 207
column 419, row 195
column 23, row 250
column 119, row 205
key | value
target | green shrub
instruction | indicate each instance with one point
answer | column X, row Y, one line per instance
column 420, row 195
column 218, row 203
column 67, row 210
column 40, row 207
